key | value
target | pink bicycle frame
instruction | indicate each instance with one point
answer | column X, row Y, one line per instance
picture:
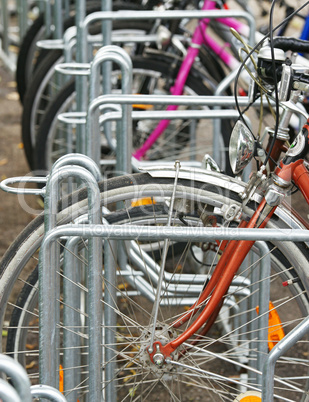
column 199, row 37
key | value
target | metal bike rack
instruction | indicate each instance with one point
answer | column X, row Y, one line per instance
column 77, row 231
column 149, row 15
column 88, row 118
column 106, row 17
column 132, row 233
column 282, row 347
column 21, row 390
column 48, row 376
column 93, row 122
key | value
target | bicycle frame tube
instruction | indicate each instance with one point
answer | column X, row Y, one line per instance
column 291, row 167
column 233, row 256
column 199, row 37
column 228, row 59
column 301, row 179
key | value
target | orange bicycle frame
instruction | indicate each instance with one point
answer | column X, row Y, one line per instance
column 291, row 168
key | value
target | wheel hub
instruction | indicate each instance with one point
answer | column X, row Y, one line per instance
column 157, row 365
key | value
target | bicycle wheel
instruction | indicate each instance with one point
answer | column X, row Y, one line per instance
column 183, row 139
column 213, row 366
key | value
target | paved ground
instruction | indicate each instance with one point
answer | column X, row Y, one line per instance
column 13, row 217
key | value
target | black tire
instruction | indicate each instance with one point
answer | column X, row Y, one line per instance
column 26, row 58
column 146, row 67
column 288, row 262
column 43, row 77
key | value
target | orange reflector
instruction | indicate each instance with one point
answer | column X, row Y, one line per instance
column 60, row 378
column 275, row 329
column 249, row 396
column 142, row 201
column 143, row 107
column 61, row 387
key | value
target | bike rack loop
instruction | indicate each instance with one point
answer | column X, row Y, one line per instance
column 92, row 122
column 69, row 41
column 47, row 392
column 83, row 22
column 92, row 129
column 69, row 159
column 169, row 15
column 80, row 118
column 21, row 389
column 282, row 346
column 118, row 55
column 18, row 375
column 93, row 138
column 102, row 100
column 47, row 342
column 92, row 145
column 153, row 15
column 80, row 160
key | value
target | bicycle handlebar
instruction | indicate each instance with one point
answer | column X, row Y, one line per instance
column 293, row 44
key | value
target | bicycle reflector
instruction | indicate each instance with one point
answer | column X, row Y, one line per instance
column 142, row 201
column 61, row 378
column 275, row 328
column 249, row 396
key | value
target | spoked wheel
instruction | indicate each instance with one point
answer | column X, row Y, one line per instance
column 217, row 363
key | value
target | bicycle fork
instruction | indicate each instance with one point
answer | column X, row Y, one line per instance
column 290, row 168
